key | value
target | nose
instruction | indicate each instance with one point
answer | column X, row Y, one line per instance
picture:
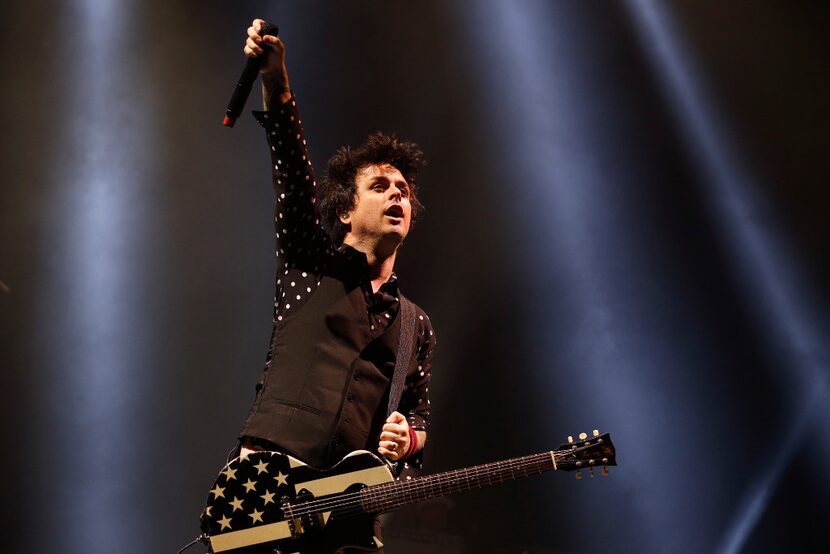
column 396, row 193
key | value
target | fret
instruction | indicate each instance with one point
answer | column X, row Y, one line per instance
column 391, row 496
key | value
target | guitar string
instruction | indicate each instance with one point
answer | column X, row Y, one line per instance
column 365, row 499
column 424, row 490
column 372, row 504
column 369, row 496
column 408, row 489
column 421, row 484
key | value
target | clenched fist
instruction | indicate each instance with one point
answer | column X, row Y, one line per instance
column 394, row 437
column 275, row 88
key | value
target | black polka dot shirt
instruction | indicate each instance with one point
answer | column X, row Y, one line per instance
column 305, row 257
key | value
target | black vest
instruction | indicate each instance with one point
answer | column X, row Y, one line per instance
column 325, row 391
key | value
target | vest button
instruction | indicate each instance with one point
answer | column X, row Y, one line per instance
column 357, row 376
column 350, row 398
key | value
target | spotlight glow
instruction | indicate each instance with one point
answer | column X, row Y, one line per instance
column 638, row 361
column 775, row 287
column 558, row 168
column 93, row 357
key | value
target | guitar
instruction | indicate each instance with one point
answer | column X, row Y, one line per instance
column 272, row 502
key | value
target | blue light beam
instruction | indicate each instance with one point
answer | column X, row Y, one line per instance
column 94, row 325
column 775, row 286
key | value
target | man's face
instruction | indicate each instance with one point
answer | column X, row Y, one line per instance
column 382, row 206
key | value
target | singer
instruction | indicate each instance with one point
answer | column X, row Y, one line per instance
column 338, row 309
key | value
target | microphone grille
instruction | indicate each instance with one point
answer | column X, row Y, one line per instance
column 269, row 29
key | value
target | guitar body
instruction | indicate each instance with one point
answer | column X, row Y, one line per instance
column 271, row 502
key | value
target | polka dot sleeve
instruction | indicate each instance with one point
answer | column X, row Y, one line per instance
column 302, row 244
column 300, row 239
column 415, row 403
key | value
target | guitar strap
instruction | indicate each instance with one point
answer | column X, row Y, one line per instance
column 407, row 317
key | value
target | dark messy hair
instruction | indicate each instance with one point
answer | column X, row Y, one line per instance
column 338, row 190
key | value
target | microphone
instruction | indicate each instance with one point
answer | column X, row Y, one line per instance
column 246, row 80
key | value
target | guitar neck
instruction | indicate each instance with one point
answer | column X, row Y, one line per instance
column 391, row 496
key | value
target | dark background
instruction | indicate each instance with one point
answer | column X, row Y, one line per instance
column 624, row 230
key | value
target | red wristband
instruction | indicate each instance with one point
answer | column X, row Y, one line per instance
column 413, row 443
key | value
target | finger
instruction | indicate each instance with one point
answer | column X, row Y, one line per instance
column 272, row 45
column 392, row 436
column 257, row 24
column 391, row 446
column 254, row 35
column 253, row 46
column 388, row 454
column 395, row 417
column 391, row 453
column 251, row 53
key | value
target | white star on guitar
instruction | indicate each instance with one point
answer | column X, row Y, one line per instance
column 281, row 479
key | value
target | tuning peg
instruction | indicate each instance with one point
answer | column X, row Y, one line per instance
column 605, row 471
column 579, row 474
column 596, row 432
column 570, row 439
column 583, row 436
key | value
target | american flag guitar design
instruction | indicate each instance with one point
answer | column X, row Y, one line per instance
column 272, row 502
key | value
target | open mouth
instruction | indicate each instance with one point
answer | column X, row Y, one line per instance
column 394, row 211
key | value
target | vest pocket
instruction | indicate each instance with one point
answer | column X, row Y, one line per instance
column 297, row 405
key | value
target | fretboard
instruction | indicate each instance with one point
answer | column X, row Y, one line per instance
column 391, row 496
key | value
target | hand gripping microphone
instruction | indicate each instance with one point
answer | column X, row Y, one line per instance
column 249, row 75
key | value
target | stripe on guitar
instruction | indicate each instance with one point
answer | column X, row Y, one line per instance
column 247, row 537
column 338, row 483
column 294, row 462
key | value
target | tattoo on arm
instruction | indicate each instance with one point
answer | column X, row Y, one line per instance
column 275, row 92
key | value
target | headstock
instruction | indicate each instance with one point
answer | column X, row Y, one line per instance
column 597, row 451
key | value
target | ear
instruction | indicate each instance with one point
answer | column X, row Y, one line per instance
column 345, row 217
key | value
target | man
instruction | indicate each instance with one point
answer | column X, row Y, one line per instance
column 325, row 388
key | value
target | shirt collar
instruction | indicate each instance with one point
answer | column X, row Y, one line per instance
column 352, row 254
column 390, row 286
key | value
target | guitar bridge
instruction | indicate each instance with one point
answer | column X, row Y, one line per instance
column 295, row 526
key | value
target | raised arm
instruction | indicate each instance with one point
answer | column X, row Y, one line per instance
column 301, row 243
